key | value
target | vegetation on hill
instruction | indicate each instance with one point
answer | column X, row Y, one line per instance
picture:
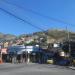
column 53, row 34
column 6, row 37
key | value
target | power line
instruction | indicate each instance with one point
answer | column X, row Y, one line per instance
column 25, row 21
column 39, row 14
column 36, row 14
column 7, row 2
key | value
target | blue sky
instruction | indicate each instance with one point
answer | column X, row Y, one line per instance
column 63, row 10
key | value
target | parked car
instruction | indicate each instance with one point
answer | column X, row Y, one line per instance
column 64, row 62
column 50, row 61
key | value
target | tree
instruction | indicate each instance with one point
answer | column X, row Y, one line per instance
column 31, row 43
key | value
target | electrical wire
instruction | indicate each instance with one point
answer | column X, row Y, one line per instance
column 39, row 14
column 7, row 2
column 23, row 20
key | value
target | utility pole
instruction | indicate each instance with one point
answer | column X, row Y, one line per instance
column 26, row 55
column 69, row 45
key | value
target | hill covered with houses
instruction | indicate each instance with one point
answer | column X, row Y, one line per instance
column 48, row 36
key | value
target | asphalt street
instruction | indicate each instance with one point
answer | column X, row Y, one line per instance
column 34, row 69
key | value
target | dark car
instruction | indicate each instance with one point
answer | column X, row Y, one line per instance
column 64, row 62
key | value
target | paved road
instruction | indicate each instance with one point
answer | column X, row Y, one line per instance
column 34, row 69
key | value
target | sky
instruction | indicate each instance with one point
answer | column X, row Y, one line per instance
column 63, row 10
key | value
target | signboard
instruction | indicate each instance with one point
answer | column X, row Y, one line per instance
column 4, row 50
column 29, row 48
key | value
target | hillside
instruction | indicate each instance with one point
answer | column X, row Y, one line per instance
column 57, row 35
column 5, row 37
